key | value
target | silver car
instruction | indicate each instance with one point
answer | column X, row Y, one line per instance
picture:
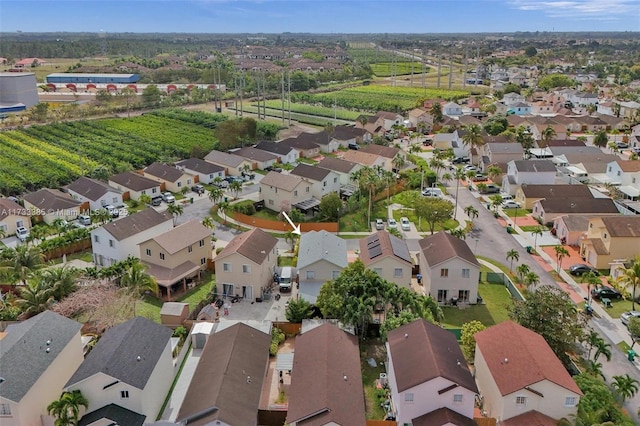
column 626, row 317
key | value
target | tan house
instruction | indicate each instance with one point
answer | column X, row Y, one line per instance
column 282, row 191
column 326, row 381
column 233, row 164
column 37, row 357
column 246, row 265
column 174, row 179
column 366, row 159
column 419, row 117
column 527, row 195
column 611, row 238
column 450, row 270
column 342, row 167
column 12, row 216
column 134, row 185
column 51, row 204
column 388, row 256
column 323, row 181
column 570, row 229
column 258, row 158
column 177, row 254
column 389, row 154
column 517, row 372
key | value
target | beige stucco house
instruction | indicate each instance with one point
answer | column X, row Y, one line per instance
column 517, row 372
column 134, row 185
column 527, row 195
column 51, row 204
column 450, row 270
column 12, row 216
column 611, row 238
column 388, row 256
column 281, row 191
column 232, row 164
column 246, row 265
column 174, row 179
column 37, row 357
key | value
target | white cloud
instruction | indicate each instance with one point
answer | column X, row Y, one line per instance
column 581, row 9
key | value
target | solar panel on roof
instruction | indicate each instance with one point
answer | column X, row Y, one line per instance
column 400, row 249
column 375, row 251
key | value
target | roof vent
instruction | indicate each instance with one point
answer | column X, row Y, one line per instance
column 48, row 342
column 458, row 363
column 345, row 377
column 48, row 350
column 506, row 360
column 406, row 335
column 248, row 379
column 139, row 358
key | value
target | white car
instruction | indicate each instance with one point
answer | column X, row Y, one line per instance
column 405, row 224
column 506, row 196
column 510, row 204
column 22, row 233
column 432, row 192
column 168, row 197
column 379, row 224
column 392, row 224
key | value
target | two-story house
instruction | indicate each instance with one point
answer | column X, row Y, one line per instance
column 345, row 135
column 12, row 217
column 321, row 257
column 323, row 181
column 427, row 372
column 177, row 254
column 173, row 179
column 281, row 191
column 366, row 159
column 548, row 210
column 233, row 165
column 520, row 378
column 450, row 270
column 37, row 357
column 305, row 147
column 388, row 153
column 512, row 98
column 451, row 109
column 326, row 380
column 51, row 204
column 134, row 185
column 527, row 195
column 117, row 240
column 97, row 194
column 342, row 167
column 286, row 154
column 245, row 267
column 422, row 119
column 130, row 367
column 205, row 171
column 520, row 172
column 501, row 153
column 626, row 175
column 611, row 238
column 388, row 256
column 519, row 108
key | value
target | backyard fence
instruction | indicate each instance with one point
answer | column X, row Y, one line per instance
column 281, row 226
column 502, row 278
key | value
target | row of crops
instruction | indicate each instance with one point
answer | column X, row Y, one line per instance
column 387, row 69
column 56, row 154
column 339, row 113
column 300, row 118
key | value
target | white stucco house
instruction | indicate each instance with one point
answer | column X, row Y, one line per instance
column 321, row 257
column 206, row 172
column 97, row 194
column 323, row 181
column 520, row 172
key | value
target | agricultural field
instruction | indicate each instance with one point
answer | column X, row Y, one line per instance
column 54, row 155
column 276, row 114
column 378, row 98
column 341, row 114
column 387, row 69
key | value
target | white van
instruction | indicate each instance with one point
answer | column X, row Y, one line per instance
column 286, row 278
column 432, row 192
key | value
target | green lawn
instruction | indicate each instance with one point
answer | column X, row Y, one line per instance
column 533, row 228
column 619, row 307
column 495, row 310
column 86, row 256
column 372, row 349
column 285, row 261
column 518, row 212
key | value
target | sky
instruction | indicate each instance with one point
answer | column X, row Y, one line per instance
column 323, row 16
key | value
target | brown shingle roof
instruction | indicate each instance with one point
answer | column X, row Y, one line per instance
column 347, row 132
column 255, row 154
column 224, row 159
column 529, row 358
column 382, row 244
column 51, row 199
column 565, row 142
column 576, row 222
column 286, row 182
column 200, row 166
column 442, row 417
column 535, row 166
column 381, row 150
column 443, row 246
column 11, row 208
column 622, row 226
column 337, row 164
column 182, row 236
column 578, row 205
column 422, row 351
column 326, row 381
column 360, row 157
column 629, row 166
column 255, row 245
column 556, row 191
column 90, row 188
column 136, row 223
column 598, row 246
column 134, row 181
column 310, row 172
column 530, row 418
column 274, row 147
column 227, row 383
column 164, row 172
column 387, row 115
column 299, row 144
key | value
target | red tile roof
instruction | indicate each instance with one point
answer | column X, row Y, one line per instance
column 530, row 418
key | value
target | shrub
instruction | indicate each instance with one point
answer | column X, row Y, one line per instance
column 273, row 349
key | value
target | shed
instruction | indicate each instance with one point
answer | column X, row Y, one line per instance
column 173, row 314
column 200, row 333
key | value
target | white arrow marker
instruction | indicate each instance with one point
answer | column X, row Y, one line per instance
column 296, row 229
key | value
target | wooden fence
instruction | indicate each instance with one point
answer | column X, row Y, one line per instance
column 74, row 247
column 280, row 226
column 288, row 327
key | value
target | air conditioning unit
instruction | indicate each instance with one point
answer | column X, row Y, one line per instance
column 383, row 379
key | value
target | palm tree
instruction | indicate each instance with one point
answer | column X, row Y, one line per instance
column 35, row 297
column 61, row 225
column 291, row 238
column 67, row 408
column 459, row 233
column 370, row 180
column 600, row 139
column 39, row 233
column 137, row 280
column 602, row 348
column 457, row 175
column 216, row 194
column 472, row 138
column 436, row 112
column 591, row 340
column 531, row 279
column 472, row 212
column 22, row 262
column 175, row 210
column 591, row 279
column 62, row 280
column 538, row 230
column 436, row 165
column 145, row 199
column 58, row 409
column 631, row 277
column 398, row 162
column 222, row 206
column 511, row 256
column 547, row 134
column 595, row 369
column 235, row 187
column 561, row 253
column 208, row 223
column 494, row 172
column 625, row 386
column 522, row 270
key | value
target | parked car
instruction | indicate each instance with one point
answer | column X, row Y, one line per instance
column 354, row 146
column 479, row 177
column 113, row 210
column 470, row 167
column 580, row 268
column 405, row 224
column 427, row 142
column 168, row 197
column 156, row 201
column 605, row 292
column 22, row 233
column 460, row 160
column 221, row 184
column 622, row 145
column 432, row 192
column 510, row 204
column 230, row 179
column 379, row 224
column 490, row 189
column 626, row 317
column 506, row 196
column 84, row 219
column 392, row 224
column 198, row 188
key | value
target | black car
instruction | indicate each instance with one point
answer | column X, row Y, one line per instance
column 606, row 293
column 490, row 189
column 581, row 268
column 156, row 201
column 460, row 160
column 354, row 146
column 198, row 188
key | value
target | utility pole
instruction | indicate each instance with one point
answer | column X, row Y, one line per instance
column 439, row 69
column 464, row 70
column 289, row 96
column 282, row 96
column 451, row 71
column 477, row 65
column 242, row 93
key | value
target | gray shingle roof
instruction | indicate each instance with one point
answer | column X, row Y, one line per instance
column 23, row 356
column 116, row 414
column 51, row 199
column 136, row 223
column 535, row 166
column 90, row 188
column 134, row 181
column 224, row 159
column 315, row 246
column 117, row 352
column 255, row 154
column 274, row 147
column 163, row 171
column 310, row 172
column 199, row 166
column 337, row 164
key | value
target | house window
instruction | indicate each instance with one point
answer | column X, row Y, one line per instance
column 148, row 252
column 408, row 397
column 570, row 401
column 96, row 239
column 442, row 296
column 154, row 190
column 5, row 410
column 457, row 398
column 211, row 176
column 521, row 401
column 4, row 228
column 324, row 183
column 110, row 243
column 444, row 272
column 397, row 272
column 188, row 181
column 203, row 260
column 246, row 269
column 610, row 168
column 604, row 236
column 161, row 256
column 463, row 295
column 307, row 189
column 179, row 184
column 311, row 275
column 377, row 271
column 226, row 267
column 618, row 173
column 465, row 273
column 144, row 192
column 124, row 394
column 295, row 193
column 114, row 200
column 190, row 249
column 201, row 243
column 335, row 180
column 335, row 274
column 270, row 202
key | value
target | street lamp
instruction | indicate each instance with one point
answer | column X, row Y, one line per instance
column 338, row 213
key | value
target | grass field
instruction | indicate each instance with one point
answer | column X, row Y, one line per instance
column 55, row 65
column 495, row 310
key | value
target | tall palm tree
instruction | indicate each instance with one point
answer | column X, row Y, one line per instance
column 472, row 212
column 22, row 262
column 222, row 207
column 538, row 230
column 208, row 223
column 458, row 174
column 175, row 210
column 592, row 280
column 494, row 172
column 436, row 112
column 511, row 256
column 472, row 138
column 595, row 369
column 35, row 297
column 137, row 280
column 602, row 348
column 531, row 279
column 436, row 165
column 370, row 180
column 625, row 386
column 591, row 340
column 631, row 277
column 522, row 270
column 235, row 187
column 547, row 134
column 561, row 253
column 398, row 162
column 216, row 194
column 62, row 280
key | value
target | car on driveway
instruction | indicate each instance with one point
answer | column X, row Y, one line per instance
column 510, row 204
column 580, row 268
column 379, row 224
column 460, row 160
column 22, row 233
column 392, row 224
column 168, row 197
column 490, row 189
column 405, row 224
column 198, row 188
column 432, row 192
column 605, row 292
column 626, row 317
